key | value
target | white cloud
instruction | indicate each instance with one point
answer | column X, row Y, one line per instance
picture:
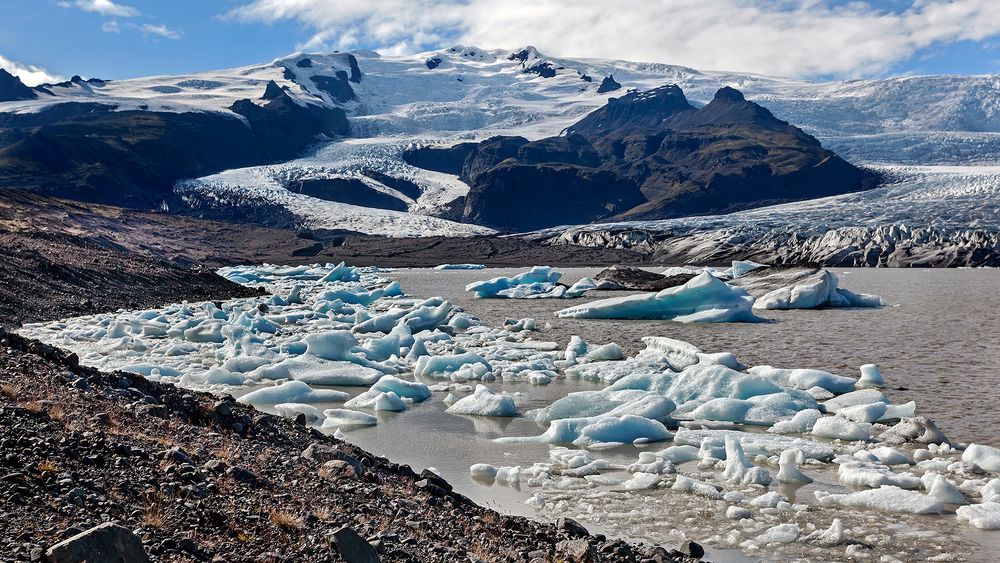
column 111, row 26
column 782, row 37
column 103, row 7
column 29, row 74
column 160, row 30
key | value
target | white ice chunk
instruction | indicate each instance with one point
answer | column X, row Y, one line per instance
column 788, row 471
column 292, row 410
column 292, row 392
column 884, row 499
column 871, row 376
column 702, row 299
column 484, row 402
column 805, row 379
column 782, row 533
column 346, row 418
column 817, row 291
column 985, row 516
column 840, row 428
column 686, row 484
column 986, row 457
column 642, row 481
column 378, row 400
column 801, row 423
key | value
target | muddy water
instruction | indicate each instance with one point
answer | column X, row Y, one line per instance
column 938, row 341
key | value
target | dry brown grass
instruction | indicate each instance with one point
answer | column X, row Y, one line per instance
column 48, row 466
column 34, row 407
column 323, row 514
column 10, row 390
column 57, row 413
column 152, row 517
column 285, row 520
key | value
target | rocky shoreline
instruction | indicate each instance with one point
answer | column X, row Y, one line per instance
column 196, row 477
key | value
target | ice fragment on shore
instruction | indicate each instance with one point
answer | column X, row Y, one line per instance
column 292, row 410
column 782, row 533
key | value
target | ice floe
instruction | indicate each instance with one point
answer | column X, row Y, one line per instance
column 822, row 290
column 704, row 298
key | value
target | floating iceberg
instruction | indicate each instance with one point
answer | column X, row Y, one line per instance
column 292, row 392
column 378, row 400
column 986, row 457
column 460, row 267
column 346, row 418
column 702, row 299
column 599, row 431
column 541, row 280
column 820, row 290
column 885, row 499
column 985, row 516
column 483, row 402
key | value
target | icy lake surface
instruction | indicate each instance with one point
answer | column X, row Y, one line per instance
column 335, row 331
column 937, row 342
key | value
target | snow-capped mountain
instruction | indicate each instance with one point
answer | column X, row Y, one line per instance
column 394, row 103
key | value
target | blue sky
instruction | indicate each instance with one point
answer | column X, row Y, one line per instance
column 806, row 38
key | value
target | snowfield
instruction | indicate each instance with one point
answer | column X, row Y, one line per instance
column 692, row 423
column 472, row 93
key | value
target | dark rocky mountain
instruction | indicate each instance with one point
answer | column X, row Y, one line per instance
column 12, row 89
column 89, row 152
column 609, row 84
column 646, row 155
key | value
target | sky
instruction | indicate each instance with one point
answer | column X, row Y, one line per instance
column 51, row 40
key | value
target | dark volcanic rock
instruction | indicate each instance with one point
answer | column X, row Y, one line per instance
column 541, row 68
column 272, row 91
column 58, row 275
column 347, row 190
column 304, row 63
column 433, row 62
column 107, row 543
column 12, row 89
column 651, row 155
column 133, row 158
column 439, row 159
column 401, row 185
column 337, row 87
column 609, row 84
column 637, row 279
column 352, row 63
column 353, row 548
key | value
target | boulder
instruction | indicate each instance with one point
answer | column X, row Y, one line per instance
column 107, row 543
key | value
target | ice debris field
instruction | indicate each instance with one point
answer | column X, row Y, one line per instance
column 776, row 462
